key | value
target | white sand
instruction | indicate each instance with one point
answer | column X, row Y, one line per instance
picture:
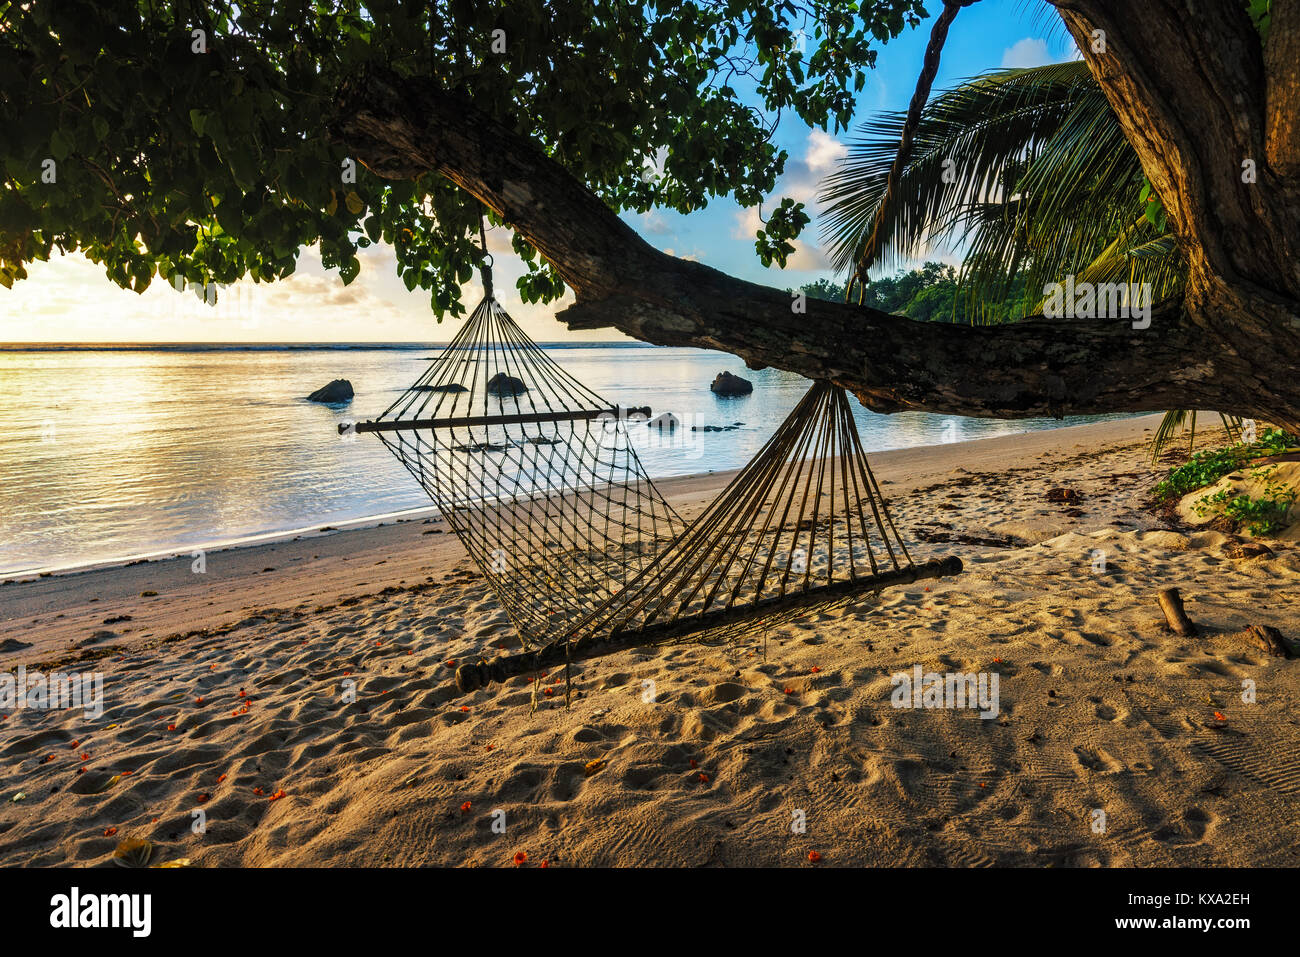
column 1101, row 707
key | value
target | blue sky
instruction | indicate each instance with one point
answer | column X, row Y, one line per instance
column 69, row 300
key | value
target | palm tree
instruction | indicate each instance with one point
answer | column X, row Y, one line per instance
column 1030, row 171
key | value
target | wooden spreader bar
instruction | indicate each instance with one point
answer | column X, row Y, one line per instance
column 473, row 420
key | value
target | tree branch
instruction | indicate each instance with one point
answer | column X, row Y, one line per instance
column 402, row 128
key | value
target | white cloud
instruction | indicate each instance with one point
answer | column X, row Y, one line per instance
column 1031, row 51
column 654, row 223
column 747, row 224
column 824, row 152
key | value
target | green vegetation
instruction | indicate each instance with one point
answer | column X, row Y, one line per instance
column 191, row 141
column 1207, row 467
column 1262, row 516
column 930, row 294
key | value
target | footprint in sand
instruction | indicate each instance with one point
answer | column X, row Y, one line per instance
column 1194, row 827
column 1099, row 761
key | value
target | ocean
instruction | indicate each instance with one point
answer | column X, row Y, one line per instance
column 116, row 453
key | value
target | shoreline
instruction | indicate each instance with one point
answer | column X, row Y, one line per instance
column 48, row 615
column 889, row 459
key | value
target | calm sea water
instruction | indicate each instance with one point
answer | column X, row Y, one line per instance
column 117, row 453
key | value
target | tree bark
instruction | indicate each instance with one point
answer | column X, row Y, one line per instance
column 1194, row 109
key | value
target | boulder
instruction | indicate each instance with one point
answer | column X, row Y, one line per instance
column 340, row 390
column 449, row 387
column 502, row 384
column 724, row 383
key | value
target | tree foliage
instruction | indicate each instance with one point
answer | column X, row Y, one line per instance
column 931, row 293
column 188, row 141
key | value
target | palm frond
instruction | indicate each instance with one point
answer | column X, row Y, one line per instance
column 970, row 136
column 1184, row 420
column 1040, row 184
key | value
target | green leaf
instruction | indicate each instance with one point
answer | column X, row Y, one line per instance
column 60, row 145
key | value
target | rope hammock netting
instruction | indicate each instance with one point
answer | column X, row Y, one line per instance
column 537, row 476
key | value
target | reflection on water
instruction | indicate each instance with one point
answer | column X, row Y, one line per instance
column 114, row 453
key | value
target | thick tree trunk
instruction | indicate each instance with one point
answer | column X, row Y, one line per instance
column 1216, row 123
column 1233, row 346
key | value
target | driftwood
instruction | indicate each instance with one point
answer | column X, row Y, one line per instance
column 1171, row 603
column 1271, row 640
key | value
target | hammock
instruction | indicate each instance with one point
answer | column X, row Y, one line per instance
column 537, row 476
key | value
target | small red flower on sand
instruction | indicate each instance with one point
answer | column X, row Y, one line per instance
column 520, row 857
column 47, row 759
column 927, row 587
column 277, row 795
column 815, row 669
column 110, row 831
column 220, row 779
column 704, row 778
column 694, row 763
column 464, row 707
column 1219, row 717
column 376, row 643
column 203, row 798
column 171, row 727
column 450, row 663
column 410, row 652
column 258, row 791
column 127, row 774
column 199, row 700
column 155, row 820
column 464, row 808
column 235, row 713
column 789, row 691
column 814, row 856
column 997, row 661
column 85, row 756
column 544, row 864
column 243, row 693
column 212, row 667
column 548, row 692
column 348, row 672
column 81, row 770
column 491, row 746
column 73, row 745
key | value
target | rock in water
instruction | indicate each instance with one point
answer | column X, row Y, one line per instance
column 340, row 390
column 724, row 383
column 502, row 384
column 664, row 420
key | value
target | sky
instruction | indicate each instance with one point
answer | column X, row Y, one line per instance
column 69, row 299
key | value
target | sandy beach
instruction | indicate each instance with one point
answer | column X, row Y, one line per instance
column 292, row 703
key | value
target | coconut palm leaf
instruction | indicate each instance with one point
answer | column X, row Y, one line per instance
column 1184, row 420
column 1028, row 168
column 970, row 137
